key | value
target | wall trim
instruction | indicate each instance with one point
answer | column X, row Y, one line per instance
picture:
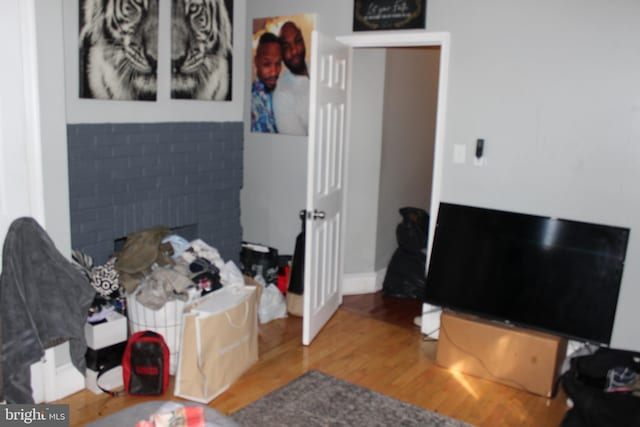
column 363, row 283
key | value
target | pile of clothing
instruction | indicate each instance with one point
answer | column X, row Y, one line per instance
column 158, row 266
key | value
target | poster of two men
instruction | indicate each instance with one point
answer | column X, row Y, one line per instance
column 280, row 78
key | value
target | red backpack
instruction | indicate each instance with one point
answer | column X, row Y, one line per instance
column 145, row 364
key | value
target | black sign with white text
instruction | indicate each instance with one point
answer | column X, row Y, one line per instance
column 371, row 15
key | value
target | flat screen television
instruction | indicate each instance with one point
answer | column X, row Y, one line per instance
column 554, row 275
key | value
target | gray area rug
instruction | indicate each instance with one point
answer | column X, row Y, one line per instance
column 317, row 399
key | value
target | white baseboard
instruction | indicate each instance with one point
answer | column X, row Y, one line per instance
column 363, row 283
column 55, row 377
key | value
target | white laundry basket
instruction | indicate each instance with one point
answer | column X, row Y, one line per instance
column 166, row 321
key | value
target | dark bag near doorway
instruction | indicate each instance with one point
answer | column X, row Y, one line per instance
column 411, row 233
column 296, row 280
column 405, row 277
column 585, row 384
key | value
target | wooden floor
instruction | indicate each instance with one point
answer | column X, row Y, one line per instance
column 370, row 341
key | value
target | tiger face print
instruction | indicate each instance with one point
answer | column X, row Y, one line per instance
column 200, row 50
column 119, row 49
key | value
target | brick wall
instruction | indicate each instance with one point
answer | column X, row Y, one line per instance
column 125, row 178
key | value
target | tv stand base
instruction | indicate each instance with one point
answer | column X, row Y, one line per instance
column 517, row 357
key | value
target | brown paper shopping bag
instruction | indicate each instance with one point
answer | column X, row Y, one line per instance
column 218, row 344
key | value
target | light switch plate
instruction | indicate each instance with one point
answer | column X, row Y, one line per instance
column 482, row 161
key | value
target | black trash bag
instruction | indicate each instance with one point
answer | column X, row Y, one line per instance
column 405, row 276
column 411, row 233
column 585, row 383
column 296, row 279
column 256, row 259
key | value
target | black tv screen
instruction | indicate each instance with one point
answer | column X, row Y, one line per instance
column 549, row 274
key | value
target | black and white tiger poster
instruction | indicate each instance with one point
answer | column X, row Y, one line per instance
column 201, row 49
column 119, row 49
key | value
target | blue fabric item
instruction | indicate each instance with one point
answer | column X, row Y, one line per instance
column 44, row 301
column 179, row 244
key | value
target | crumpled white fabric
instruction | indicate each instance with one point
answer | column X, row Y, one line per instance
column 230, row 275
column 200, row 249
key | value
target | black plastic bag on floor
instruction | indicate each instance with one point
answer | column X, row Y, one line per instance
column 296, row 281
column 256, row 259
column 586, row 384
column 405, row 276
column 411, row 233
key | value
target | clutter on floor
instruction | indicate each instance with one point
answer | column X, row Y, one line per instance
column 603, row 388
column 184, row 291
column 268, row 269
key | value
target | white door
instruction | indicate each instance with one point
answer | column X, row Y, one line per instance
column 20, row 188
column 325, row 181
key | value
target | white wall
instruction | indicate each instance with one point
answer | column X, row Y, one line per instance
column 163, row 109
column 33, row 132
column 33, row 172
column 554, row 89
column 53, row 130
column 17, row 163
column 410, row 103
column 364, row 160
column 276, row 165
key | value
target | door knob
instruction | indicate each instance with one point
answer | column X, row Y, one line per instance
column 318, row 214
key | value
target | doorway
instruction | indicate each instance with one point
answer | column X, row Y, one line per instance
column 399, row 181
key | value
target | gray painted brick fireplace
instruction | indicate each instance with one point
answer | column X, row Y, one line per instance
column 125, row 178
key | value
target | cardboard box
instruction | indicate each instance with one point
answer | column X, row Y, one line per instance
column 108, row 333
column 520, row 358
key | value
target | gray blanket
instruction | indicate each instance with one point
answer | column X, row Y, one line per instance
column 44, row 301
